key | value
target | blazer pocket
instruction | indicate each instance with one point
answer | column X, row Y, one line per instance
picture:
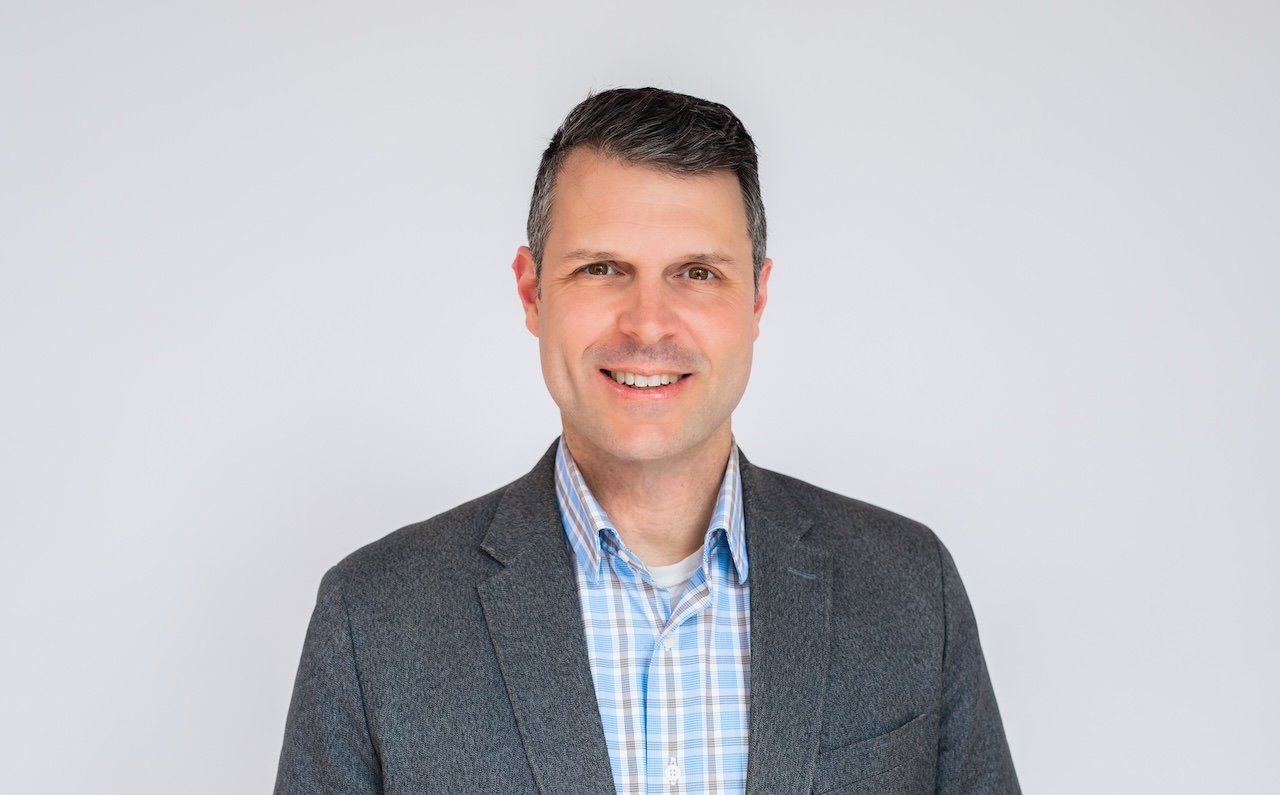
column 909, row 746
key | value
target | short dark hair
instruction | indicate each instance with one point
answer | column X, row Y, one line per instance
column 653, row 127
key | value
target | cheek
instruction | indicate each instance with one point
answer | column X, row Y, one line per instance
column 565, row 335
column 730, row 340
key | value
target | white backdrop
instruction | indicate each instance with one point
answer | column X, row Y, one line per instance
column 256, row 312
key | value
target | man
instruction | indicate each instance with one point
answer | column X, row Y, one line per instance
column 646, row 611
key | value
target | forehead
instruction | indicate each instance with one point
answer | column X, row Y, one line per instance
column 602, row 202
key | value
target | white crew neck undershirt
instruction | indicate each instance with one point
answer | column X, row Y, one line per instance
column 675, row 577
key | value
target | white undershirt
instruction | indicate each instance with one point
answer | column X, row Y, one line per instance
column 675, row 577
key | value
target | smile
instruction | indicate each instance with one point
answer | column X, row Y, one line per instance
column 637, row 381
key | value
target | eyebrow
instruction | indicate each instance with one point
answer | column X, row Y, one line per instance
column 590, row 255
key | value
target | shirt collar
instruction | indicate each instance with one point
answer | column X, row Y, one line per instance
column 585, row 521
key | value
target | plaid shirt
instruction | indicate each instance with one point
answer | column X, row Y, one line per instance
column 673, row 684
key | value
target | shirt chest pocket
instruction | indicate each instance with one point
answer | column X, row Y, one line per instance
column 901, row 761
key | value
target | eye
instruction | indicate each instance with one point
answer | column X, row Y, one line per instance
column 599, row 269
column 699, row 273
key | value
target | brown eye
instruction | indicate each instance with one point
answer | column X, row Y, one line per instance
column 699, row 273
column 598, row 269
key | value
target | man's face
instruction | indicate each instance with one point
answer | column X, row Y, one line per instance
column 646, row 278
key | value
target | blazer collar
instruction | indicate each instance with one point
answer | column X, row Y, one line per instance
column 535, row 623
column 790, row 635
column 526, row 514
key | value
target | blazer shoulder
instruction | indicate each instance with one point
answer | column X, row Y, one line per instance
column 839, row 519
column 449, row 541
column 442, row 558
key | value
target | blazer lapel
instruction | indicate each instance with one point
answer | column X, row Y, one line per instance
column 531, row 608
column 790, row 632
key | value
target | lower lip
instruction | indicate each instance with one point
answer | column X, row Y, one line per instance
column 648, row 393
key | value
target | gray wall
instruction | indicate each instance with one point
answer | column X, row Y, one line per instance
column 256, row 311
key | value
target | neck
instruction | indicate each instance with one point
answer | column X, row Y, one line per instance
column 660, row 508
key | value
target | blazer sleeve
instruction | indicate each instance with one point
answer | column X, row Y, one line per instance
column 327, row 747
column 973, row 755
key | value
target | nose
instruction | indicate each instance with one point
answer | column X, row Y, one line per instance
column 648, row 313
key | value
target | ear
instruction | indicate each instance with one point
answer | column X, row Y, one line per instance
column 527, row 287
column 762, row 294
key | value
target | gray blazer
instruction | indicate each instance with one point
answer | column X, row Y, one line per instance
column 449, row 657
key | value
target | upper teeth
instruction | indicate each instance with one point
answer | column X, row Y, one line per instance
column 645, row 381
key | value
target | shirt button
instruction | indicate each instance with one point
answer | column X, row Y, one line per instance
column 668, row 643
column 673, row 772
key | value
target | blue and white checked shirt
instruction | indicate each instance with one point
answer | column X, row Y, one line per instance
column 673, row 684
